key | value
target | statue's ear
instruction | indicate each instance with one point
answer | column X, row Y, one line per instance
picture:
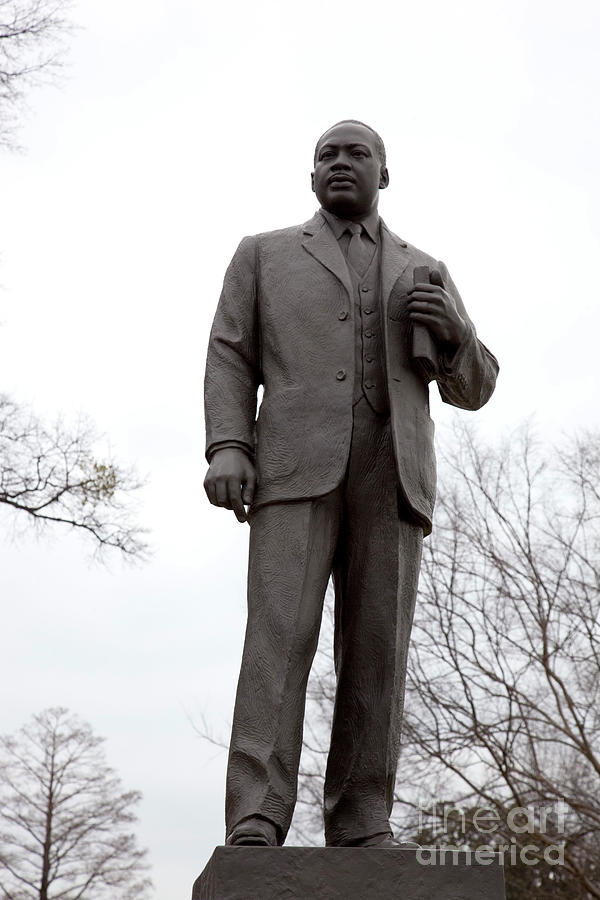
column 384, row 178
column 312, row 180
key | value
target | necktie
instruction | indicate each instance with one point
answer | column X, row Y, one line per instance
column 358, row 253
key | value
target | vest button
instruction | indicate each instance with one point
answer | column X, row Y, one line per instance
column 342, row 315
column 367, row 310
column 340, row 375
column 369, row 384
column 369, row 358
column 369, row 332
column 365, row 288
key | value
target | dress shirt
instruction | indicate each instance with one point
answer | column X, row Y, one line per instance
column 340, row 228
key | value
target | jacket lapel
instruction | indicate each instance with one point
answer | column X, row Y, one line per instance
column 320, row 242
column 395, row 257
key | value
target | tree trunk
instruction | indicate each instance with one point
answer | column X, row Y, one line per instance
column 48, row 831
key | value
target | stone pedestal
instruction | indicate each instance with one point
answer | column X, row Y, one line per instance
column 347, row 873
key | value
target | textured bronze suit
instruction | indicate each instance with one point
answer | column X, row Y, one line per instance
column 346, row 486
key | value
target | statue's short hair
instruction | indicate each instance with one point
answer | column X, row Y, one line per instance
column 379, row 145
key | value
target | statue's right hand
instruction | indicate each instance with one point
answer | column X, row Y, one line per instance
column 231, row 480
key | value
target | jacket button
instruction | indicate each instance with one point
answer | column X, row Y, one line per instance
column 369, row 332
column 342, row 315
column 369, row 384
column 369, row 358
column 367, row 310
column 340, row 375
column 365, row 289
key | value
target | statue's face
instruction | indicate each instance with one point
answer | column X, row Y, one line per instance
column 348, row 173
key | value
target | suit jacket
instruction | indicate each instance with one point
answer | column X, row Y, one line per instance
column 285, row 320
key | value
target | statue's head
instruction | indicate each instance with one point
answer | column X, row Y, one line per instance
column 350, row 169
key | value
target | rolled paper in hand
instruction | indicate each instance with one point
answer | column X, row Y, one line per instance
column 424, row 349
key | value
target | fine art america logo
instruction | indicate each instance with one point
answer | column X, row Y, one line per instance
column 526, row 835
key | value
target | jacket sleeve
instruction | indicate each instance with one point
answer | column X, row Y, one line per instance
column 233, row 360
column 229, row 445
column 467, row 376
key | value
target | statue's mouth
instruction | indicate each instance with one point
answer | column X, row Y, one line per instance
column 341, row 179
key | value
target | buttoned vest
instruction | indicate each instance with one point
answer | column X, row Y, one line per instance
column 369, row 366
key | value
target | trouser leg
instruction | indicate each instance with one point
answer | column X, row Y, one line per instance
column 290, row 559
column 376, row 572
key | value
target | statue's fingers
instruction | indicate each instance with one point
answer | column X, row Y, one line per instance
column 422, row 287
column 430, row 301
column 249, row 488
column 235, row 500
column 222, row 493
column 423, row 318
column 427, row 307
column 211, row 493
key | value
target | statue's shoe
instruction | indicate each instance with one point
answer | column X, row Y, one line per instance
column 254, row 832
column 386, row 840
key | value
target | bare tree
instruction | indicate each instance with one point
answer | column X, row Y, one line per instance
column 32, row 47
column 503, row 692
column 52, row 475
column 64, row 818
column 504, row 686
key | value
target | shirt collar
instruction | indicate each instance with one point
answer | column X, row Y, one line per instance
column 370, row 223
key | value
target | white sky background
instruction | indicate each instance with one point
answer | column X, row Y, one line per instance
column 182, row 127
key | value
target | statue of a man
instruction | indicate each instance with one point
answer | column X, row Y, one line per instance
column 338, row 474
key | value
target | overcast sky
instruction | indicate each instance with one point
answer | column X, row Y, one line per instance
column 181, row 127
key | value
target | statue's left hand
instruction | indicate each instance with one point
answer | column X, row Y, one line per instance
column 432, row 305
